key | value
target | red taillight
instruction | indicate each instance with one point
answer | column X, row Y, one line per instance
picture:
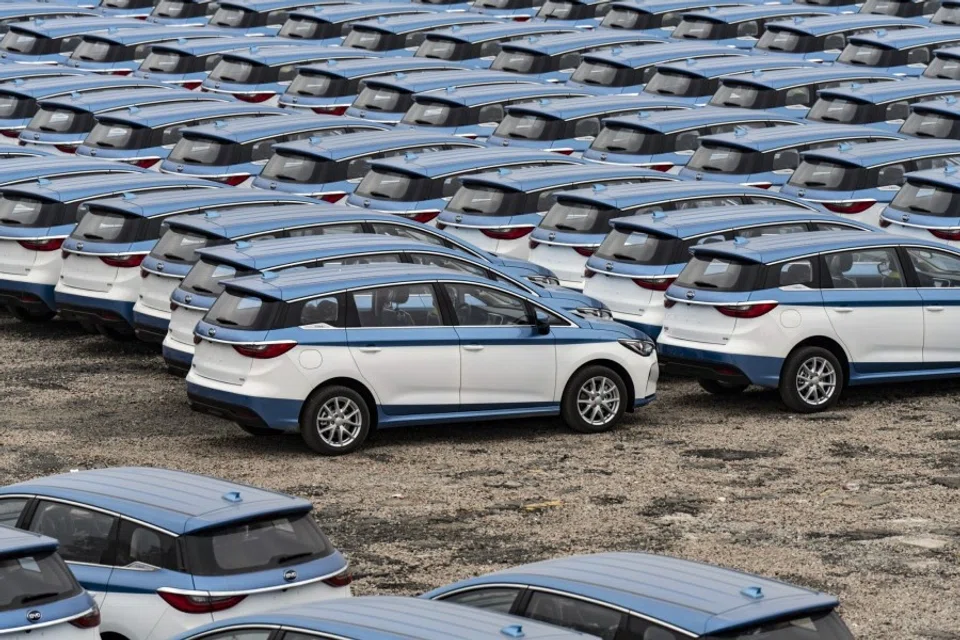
column 340, row 580
column 507, row 234
column 333, row 198
column 89, row 621
column 122, row 72
column 441, row 226
column 331, row 111
column 588, row 273
column 191, row 86
column 585, row 251
column 234, row 181
column 123, row 261
column 264, row 351
column 521, row 18
column 564, row 152
column 66, row 148
column 147, row 163
column 759, row 185
column 851, row 207
column 748, row 311
column 884, row 223
column 42, row 245
column 654, row 284
column 426, row 216
column 253, row 97
column 664, row 166
column 199, row 604
column 946, row 235
column 667, row 303
column 533, row 244
column 10, row 133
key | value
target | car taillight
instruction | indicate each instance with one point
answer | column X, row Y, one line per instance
column 146, row 163
column 264, row 351
column 667, row 303
column 340, row 580
column 191, row 86
column 588, row 273
column 533, row 244
column 426, row 216
column 884, row 223
column 89, row 621
column 234, row 181
column 585, row 251
column 564, row 152
column 253, row 97
column 521, row 18
column 66, row 148
column 123, row 261
column 333, row 198
column 507, row 234
column 747, row 311
column 441, row 226
column 10, row 133
column 121, row 72
column 663, row 166
column 946, row 235
column 331, row 111
column 42, row 245
column 850, row 207
column 654, row 284
column 200, row 604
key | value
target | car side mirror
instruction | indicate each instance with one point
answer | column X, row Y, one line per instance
column 542, row 323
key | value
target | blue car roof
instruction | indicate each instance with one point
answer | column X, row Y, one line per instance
column 568, row 108
column 948, row 106
column 229, row 223
column 872, row 154
column 717, row 67
column 947, row 52
column 536, row 178
column 645, row 55
column 46, row 86
column 11, row 72
column 677, row 120
column 337, row 13
column 98, row 101
column 205, row 46
column 883, row 92
column 784, row 78
column 154, row 33
column 354, row 144
column 947, row 176
column 261, row 6
column 495, row 31
column 14, row 169
column 471, row 96
column 732, row 15
column 824, row 25
column 766, row 249
column 438, row 163
column 666, row 6
column 60, row 27
column 172, row 500
column 272, row 55
column 906, row 38
column 399, row 618
column 363, row 67
column 777, row 137
column 688, row 223
column 82, row 188
column 27, row 9
column 634, row 195
column 428, row 80
column 15, row 542
column 421, row 21
column 162, row 115
column 564, row 42
column 695, row 597
column 149, row 205
column 16, row 151
column 247, row 129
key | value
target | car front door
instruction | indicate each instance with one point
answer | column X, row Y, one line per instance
column 505, row 363
column 938, row 281
column 403, row 349
column 876, row 315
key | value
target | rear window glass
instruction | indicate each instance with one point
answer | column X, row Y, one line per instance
column 947, row 15
column 61, row 121
column 285, row 166
column 33, row 580
column 718, row 274
column 520, row 62
column 258, row 545
column 943, row 69
column 617, row 139
column 825, row 175
column 116, row 135
column 783, row 40
column 181, row 246
column 22, row 42
column 242, row 312
column 205, row 151
column 487, row 201
column 383, row 99
column 431, row 113
column 603, row 74
column 671, row 83
column 233, row 17
column 890, row 8
column 107, row 226
column 443, row 49
column 636, row 247
column 316, row 85
column 206, row 277
column 815, row 626
column 839, row 110
column 238, row 71
column 623, row 18
column 928, row 200
column 697, row 29
column 562, row 10
column 306, row 29
column 15, row 107
column 179, row 9
column 930, row 125
column 368, row 39
column 742, row 95
column 165, row 62
column 578, row 217
column 716, row 158
column 529, row 127
column 28, row 212
column 394, row 185
column 96, row 51
column 867, row 55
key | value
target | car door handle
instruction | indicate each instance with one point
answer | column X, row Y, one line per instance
column 843, row 309
column 934, row 309
column 473, row 347
column 370, row 349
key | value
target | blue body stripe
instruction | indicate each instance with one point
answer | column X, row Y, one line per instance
column 119, row 307
column 43, row 291
column 152, row 322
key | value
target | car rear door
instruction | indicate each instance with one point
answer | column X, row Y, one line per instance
column 938, row 278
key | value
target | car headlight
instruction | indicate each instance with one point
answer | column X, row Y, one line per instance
column 595, row 312
column 644, row 348
column 544, row 281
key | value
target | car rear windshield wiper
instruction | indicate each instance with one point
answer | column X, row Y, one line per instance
column 623, row 256
column 10, row 221
column 172, row 256
column 565, row 227
column 39, row 596
column 814, row 183
column 201, row 289
column 380, row 194
column 293, row 556
column 710, row 167
column 914, row 207
column 471, row 210
column 228, row 322
column 92, row 236
column 705, row 284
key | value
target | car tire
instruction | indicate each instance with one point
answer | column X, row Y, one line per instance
column 811, row 380
column 721, row 388
column 25, row 315
column 259, row 432
column 319, row 426
column 582, row 406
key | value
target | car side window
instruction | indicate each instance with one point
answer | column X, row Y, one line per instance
column 639, row 629
column 687, row 141
column 69, row 44
column 321, row 311
column 448, row 262
column 493, row 599
column 262, row 151
column 401, row 231
column 890, row 175
column 772, row 230
column 864, row 269
column 574, row 614
column 10, row 510
column 697, row 203
column 937, row 269
column 795, row 272
column 588, row 127
column 921, row 164
column 798, row 96
column 832, row 226
column 277, row 18
column 414, row 39
column 786, row 159
column 490, row 48
column 748, row 29
column 84, row 535
column 835, row 41
column 370, row 259
column 478, row 306
column 397, row 306
column 491, row 113
column 211, row 61
column 139, row 544
column 255, row 634
column 450, row 186
column 898, row 111
column 287, row 73
column 569, row 61
column 920, row 55
column 326, row 230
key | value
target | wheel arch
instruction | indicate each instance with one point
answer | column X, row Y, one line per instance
column 615, row 366
column 830, row 345
column 350, row 383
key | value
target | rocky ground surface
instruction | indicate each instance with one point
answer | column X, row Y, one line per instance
column 863, row 502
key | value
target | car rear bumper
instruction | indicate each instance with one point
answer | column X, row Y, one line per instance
column 270, row 413
column 150, row 328
column 27, row 295
column 714, row 365
column 99, row 311
column 177, row 361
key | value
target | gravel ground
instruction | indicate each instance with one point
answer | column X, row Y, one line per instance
column 863, row 502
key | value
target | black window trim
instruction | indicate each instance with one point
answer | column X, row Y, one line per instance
column 88, row 507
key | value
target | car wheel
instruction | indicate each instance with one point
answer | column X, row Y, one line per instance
column 720, row 388
column 25, row 315
column 594, row 400
column 811, row 380
column 335, row 421
column 260, row 432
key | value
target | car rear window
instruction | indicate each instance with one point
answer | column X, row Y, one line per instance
column 819, row 174
column 97, row 51
column 947, row 15
column 931, row 125
column 842, row 110
column 233, row 17
column 475, row 199
column 203, row 151
column 746, row 96
column 36, row 579
column 108, row 226
column 889, row 8
column 258, row 545
column 236, row 311
column 368, row 39
column 867, row 55
column 61, row 120
column 287, row 166
column 434, row 113
column 22, row 42
column 383, row 99
column 717, row 158
column 520, row 61
column 603, row 74
column 528, row 126
column 578, row 217
column 667, row 82
column 166, row 62
column 207, row 276
column 624, row 18
column 691, row 28
column 180, row 245
column 637, row 247
column 15, row 107
column 943, row 68
column 313, row 84
column 443, row 49
column 928, row 199
column 307, row 29
column 127, row 4
column 117, row 135
column 30, row 212
column 560, row 10
column 718, row 274
column 618, row 139
column 807, row 626
column 784, row 40
column 384, row 184
column 239, row 71
column 179, row 9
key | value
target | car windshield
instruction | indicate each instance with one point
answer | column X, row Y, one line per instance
column 742, row 95
column 636, row 247
column 561, row 10
column 96, row 51
column 35, row 579
column 525, row 126
column 717, row 158
column 237, row 71
column 839, row 110
column 784, row 40
column 578, row 217
column 165, row 62
column 691, row 28
column 603, row 74
column 619, row 139
column 205, row 151
column 57, row 120
column 286, row 166
column 22, row 42
column 520, row 61
column 22, row 211
column 931, row 125
column 442, row 49
column 943, row 69
column 368, row 39
column 233, row 17
column 307, row 29
column 384, row 184
column 928, row 199
column 383, row 99
column 207, row 276
column 114, row 135
column 236, row 312
column 310, row 83
column 180, row 245
column 808, row 626
column 107, row 226
column 427, row 112
column 820, row 174
column 483, row 200
column 667, row 82
column 625, row 18
column 718, row 274
column 867, row 55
